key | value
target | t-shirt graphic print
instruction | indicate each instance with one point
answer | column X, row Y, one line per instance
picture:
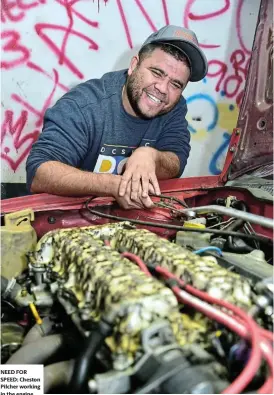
column 112, row 158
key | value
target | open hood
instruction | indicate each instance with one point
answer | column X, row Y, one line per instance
column 255, row 123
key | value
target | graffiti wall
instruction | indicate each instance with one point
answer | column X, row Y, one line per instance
column 49, row 46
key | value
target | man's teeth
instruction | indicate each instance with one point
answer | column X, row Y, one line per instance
column 154, row 98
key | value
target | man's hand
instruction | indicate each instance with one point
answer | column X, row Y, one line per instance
column 140, row 173
column 127, row 203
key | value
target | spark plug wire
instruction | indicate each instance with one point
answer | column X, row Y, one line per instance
column 240, row 322
column 136, row 259
column 249, row 329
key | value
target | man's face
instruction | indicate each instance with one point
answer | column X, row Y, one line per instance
column 155, row 85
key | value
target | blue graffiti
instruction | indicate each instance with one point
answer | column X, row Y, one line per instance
column 202, row 96
column 216, row 156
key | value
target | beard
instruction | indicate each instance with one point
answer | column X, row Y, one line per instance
column 134, row 91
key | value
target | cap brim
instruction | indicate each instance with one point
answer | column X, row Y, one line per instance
column 195, row 56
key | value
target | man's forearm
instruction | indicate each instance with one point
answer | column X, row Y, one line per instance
column 59, row 179
column 167, row 165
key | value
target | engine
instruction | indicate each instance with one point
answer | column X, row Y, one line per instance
column 117, row 309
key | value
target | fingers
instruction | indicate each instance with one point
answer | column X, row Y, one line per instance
column 145, row 185
column 125, row 201
column 134, row 190
column 154, row 182
column 151, row 189
column 135, row 186
column 147, row 202
column 126, row 178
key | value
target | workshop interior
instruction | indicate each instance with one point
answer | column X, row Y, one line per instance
column 172, row 300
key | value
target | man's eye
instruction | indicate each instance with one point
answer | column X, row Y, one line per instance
column 156, row 73
column 177, row 86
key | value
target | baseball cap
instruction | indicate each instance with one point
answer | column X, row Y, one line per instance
column 186, row 41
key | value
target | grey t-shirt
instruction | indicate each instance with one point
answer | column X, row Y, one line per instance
column 88, row 128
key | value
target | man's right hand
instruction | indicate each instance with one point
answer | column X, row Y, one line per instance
column 139, row 203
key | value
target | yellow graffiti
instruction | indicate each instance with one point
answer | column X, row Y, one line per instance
column 228, row 115
column 227, row 120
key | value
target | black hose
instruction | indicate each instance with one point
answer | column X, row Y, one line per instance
column 236, row 225
column 82, row 368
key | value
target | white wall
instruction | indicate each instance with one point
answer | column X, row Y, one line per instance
column 49, row 46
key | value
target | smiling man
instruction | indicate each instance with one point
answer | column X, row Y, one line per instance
column 118, row 135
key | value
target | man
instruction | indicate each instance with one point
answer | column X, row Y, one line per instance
column 118, row 135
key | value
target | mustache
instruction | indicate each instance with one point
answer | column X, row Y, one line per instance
column 158, row 95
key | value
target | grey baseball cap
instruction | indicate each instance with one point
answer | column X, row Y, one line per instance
column 186, row 41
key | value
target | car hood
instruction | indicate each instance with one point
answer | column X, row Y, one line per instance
column 255, row 122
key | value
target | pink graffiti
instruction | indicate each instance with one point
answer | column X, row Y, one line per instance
column 125, row 24
column 39, row 113
column 15, row 130
column 15, row 10
column 39, row 69
column 41, row 29
column 12, row 45
column 226, row 81
column 238, row 27
column 164, row 5
column 189, row 15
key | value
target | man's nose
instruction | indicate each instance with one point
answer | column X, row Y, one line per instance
column 162, row 86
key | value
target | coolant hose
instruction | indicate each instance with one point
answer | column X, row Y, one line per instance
column 82, row 368
column 57, row 375
column 38, row 331
column 37, row 352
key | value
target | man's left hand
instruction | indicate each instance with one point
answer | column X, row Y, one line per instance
column 141, row 171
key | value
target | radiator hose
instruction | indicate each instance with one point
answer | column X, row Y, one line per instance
column 82, row 368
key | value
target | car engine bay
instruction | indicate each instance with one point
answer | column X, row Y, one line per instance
column 128, row 305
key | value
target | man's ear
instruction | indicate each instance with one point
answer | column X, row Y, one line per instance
column 133, row 64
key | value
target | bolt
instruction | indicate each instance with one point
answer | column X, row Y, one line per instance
column 24, row 292
column 92, row 386
column 262, row 301
column 269, row 311
column 51, row 220
column 232, row 149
